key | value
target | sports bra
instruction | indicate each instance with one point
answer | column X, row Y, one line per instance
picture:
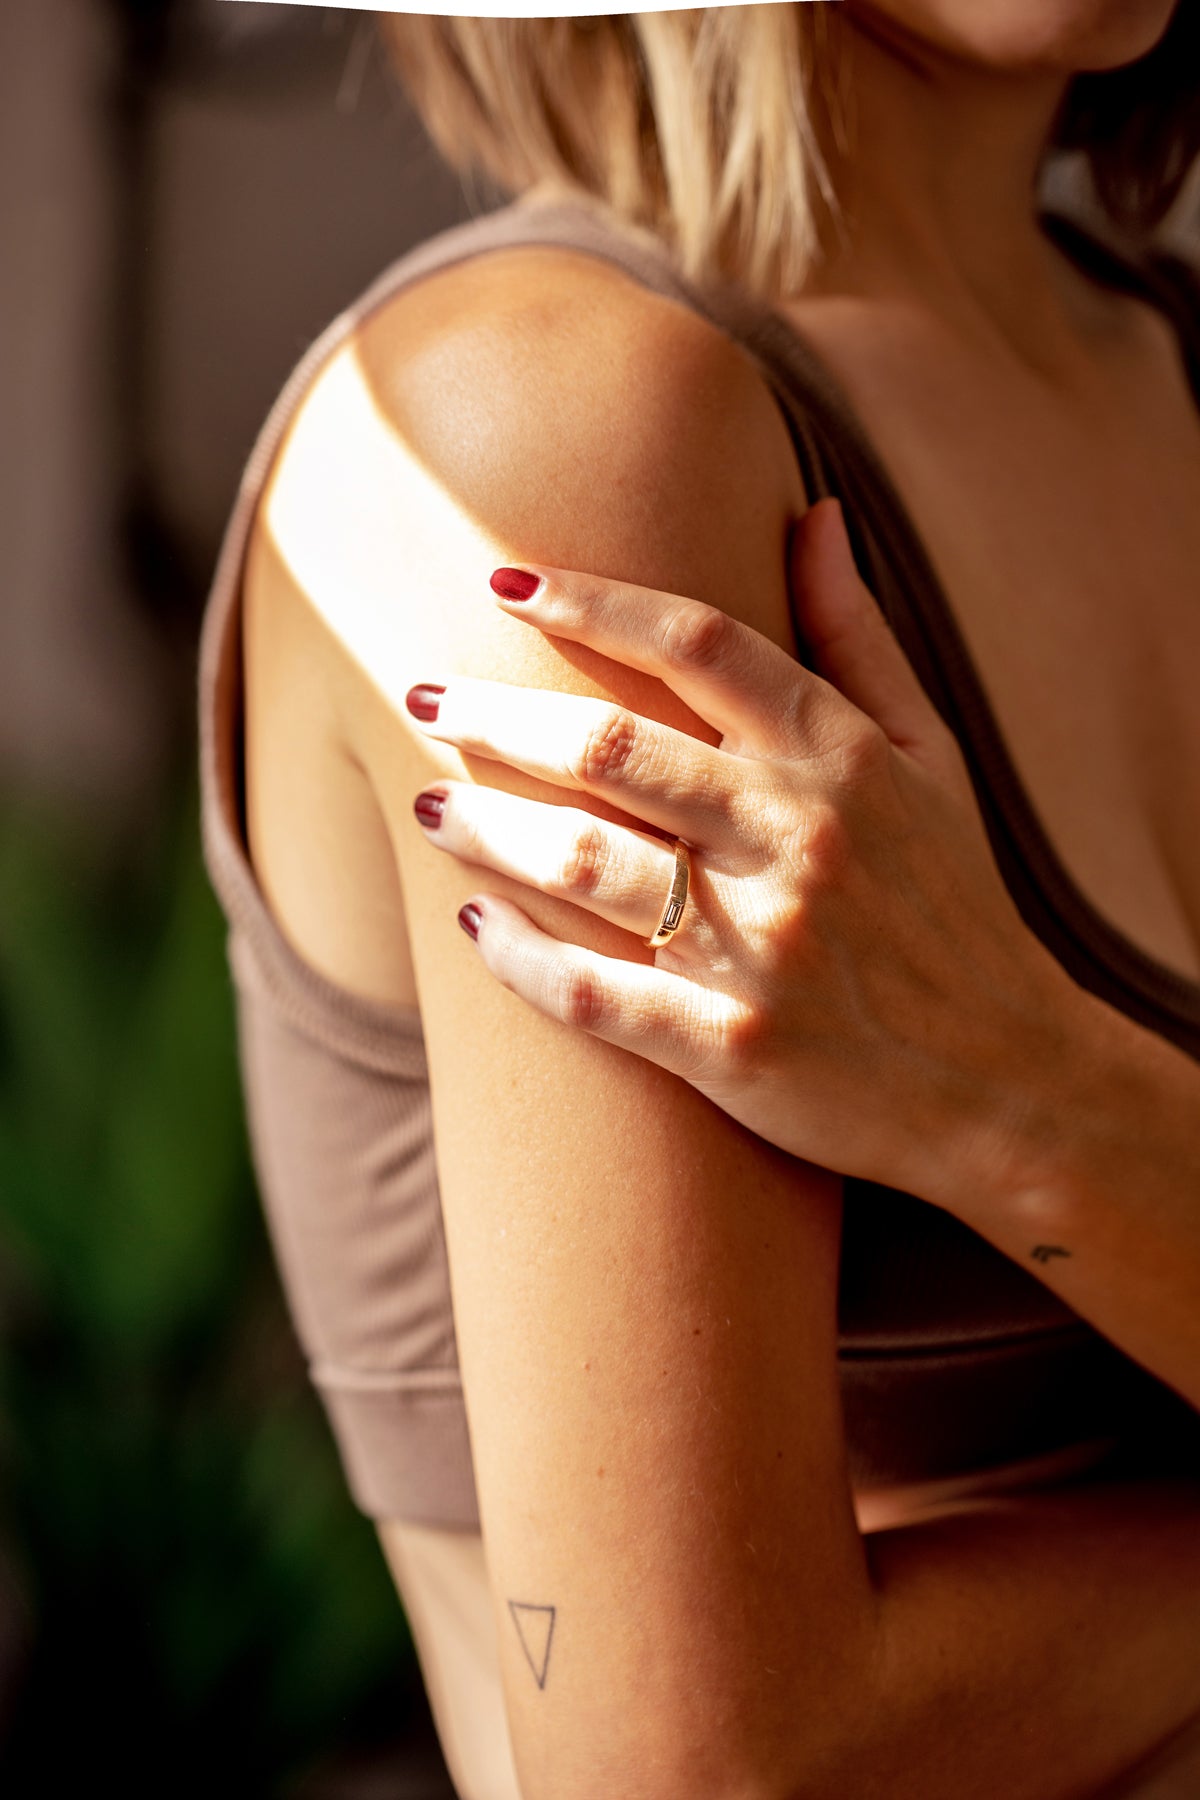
column 953, row 1360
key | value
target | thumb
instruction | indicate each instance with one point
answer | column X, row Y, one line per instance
column 855, row 648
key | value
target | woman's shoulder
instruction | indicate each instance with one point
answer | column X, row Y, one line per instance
column 502, row 404
column 535, row 350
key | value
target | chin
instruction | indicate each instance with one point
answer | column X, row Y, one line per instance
column 1021, row 36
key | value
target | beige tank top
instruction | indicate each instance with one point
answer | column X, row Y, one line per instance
column 953, row 1359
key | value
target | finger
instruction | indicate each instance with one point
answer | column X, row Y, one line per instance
column 664, row 776
column 621, row 875
column 854, row 646
column 743, row 684
column 652, row 1012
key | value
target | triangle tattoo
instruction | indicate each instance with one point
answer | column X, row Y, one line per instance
column 535, row 1628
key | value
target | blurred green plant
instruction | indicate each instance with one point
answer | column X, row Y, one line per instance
column 206, row 1609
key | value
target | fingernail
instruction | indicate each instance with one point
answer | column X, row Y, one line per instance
column 515, row 584
column 422, row 700
column 429, row 808
column 469, row 917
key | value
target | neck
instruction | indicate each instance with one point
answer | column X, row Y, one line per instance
column 939, row 192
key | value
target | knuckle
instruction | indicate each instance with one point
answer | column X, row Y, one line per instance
column 580, row 1001
column 826, row 845
column 866, row 752
column 697, row 636
column 585, row 862
column 744, row 1032
column 608, row 747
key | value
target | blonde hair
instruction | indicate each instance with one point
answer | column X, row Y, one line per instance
column 712, row 127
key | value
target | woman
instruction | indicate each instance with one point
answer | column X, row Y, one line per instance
column 728, row 1521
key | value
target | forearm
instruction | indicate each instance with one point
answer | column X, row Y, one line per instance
column 1033, row 1647
column 1098, row 1190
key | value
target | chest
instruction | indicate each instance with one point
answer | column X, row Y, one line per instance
column 1065, row 533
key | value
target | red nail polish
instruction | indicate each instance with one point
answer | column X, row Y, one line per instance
column 469, row 917
column 514, row 584
column 422, row 700
column 429, row 808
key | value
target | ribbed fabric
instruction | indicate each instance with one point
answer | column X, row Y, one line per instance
column 953, row 1359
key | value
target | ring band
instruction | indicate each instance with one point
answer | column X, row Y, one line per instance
column 668, row 925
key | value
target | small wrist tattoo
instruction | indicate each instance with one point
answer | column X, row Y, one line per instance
column 535, row 1628
column 1043, row 1252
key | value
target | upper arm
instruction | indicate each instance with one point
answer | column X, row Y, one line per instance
column 644, row 1291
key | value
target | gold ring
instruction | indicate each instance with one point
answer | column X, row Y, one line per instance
column 668, row 925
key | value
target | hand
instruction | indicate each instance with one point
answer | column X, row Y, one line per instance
column 850, row 979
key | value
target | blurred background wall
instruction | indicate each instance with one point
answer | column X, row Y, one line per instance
column 188, row 1602
column 189, row 191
